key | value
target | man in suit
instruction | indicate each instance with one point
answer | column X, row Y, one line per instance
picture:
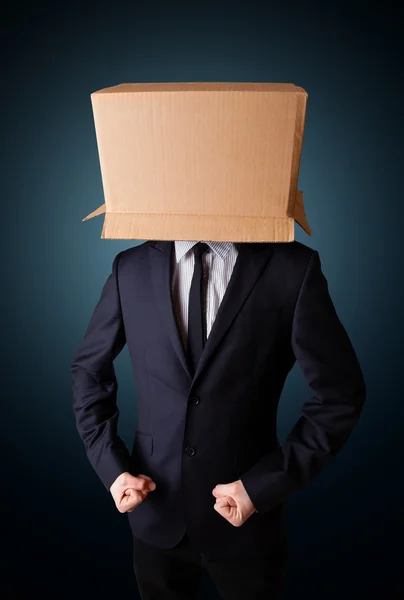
column 213, row 329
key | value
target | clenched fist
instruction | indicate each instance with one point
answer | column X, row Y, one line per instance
column 233, row 502
column 129, row 491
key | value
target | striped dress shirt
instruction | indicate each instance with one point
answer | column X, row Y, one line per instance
column 218, row 263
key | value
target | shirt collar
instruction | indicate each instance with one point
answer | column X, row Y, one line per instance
column 220, row 248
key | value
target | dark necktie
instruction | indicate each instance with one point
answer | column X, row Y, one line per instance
column 196, row 317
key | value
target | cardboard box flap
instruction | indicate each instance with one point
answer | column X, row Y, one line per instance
column 98, row 211
column 115, row 221
column 299, row 214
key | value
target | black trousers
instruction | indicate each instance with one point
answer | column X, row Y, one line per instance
column 176, row 573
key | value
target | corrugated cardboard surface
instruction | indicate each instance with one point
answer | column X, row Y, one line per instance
column 206, row 161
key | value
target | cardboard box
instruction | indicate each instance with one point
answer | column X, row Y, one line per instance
column 200, row 161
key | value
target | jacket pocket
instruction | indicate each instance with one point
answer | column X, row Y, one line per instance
column 142, row 445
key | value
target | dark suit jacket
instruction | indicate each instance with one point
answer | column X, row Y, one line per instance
column 220, row 425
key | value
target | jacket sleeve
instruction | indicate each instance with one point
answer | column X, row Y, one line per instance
column 95, row 385
column 330, row 366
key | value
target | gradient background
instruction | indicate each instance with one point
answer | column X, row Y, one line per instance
column 62, row 536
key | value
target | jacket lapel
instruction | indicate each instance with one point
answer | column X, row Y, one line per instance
column 251, row 260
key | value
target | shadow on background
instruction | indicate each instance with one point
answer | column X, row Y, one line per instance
column 62, row 536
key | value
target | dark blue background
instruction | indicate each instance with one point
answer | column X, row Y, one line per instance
column 63, row 536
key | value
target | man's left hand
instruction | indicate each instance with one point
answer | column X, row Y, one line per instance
column 233, row 502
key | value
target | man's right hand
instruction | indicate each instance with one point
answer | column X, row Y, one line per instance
column 129, row 491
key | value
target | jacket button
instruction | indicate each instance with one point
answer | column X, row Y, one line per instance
column 194, row 400
column 190, row 451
